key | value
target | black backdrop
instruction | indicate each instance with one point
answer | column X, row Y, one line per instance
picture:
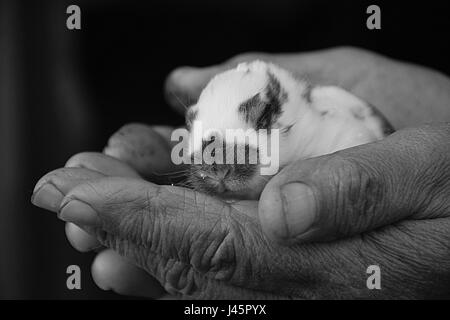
column 63, row 91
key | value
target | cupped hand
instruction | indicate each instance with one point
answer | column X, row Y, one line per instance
column 197, row 246
column 406, row 94
column 367, row 197
column 142, row 151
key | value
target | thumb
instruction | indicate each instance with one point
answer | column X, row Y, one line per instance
column 359, row 189
column 184, row 84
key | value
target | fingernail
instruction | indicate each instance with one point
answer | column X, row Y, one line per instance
column 79, row 213
column 299, row 208
column 80, row 239
column 47, row 197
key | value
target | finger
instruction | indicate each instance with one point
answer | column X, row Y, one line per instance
column 103, row 163
column 175, row 234
column 52, row 187
column 80, row 239
column 199, row 247
column 111, row 271
column 106, row 165
column 130, row 279
column 360, row 189
column 184, row 84
column 144, row 148
column 165, row 132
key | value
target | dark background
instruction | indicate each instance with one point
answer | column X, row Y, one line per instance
column 62, row 92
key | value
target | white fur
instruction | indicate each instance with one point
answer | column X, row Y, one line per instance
column 312, row 133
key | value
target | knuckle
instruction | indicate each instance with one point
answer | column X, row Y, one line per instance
column 125, row 133
column 123, row 213
column 197, row 225
column 90, row 187
column 178, row 278
column 78, row 160
column 357, row 194
column 205, row 255
column 203, row 268
column 213, row 251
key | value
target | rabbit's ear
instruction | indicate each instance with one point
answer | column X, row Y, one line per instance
column 253, row 66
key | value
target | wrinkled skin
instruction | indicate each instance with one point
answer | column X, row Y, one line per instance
column 385, row 203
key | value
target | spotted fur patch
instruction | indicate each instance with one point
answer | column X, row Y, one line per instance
column 264, row 109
